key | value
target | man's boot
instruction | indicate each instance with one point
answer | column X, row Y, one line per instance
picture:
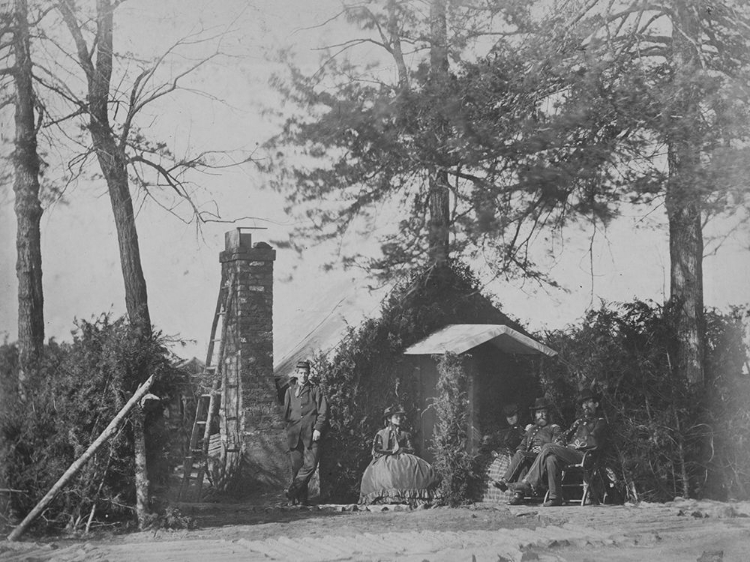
column 500, row 484
column 517, row 499
column 291, row 495
column 302, row 497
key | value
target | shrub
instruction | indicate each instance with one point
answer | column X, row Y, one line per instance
column 667, row 438
column 727, row 447
column 453, row 462
column 73, row 396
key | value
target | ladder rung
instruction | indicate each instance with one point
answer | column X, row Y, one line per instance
column 199, row 445
column 233, row 450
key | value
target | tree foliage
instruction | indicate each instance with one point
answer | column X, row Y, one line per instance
column 543, row 117
column 362, row 145
column 684, row 67
column 77, row 391
column 668, row 438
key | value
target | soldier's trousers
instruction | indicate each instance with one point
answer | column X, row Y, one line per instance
column 304, row 462
column 520, row 460
column 547, row 468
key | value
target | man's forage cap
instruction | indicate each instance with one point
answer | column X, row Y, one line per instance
column 392, row 411
column 541, row 403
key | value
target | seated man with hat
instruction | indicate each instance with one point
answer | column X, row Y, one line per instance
column 587, row 433
column 536, row 436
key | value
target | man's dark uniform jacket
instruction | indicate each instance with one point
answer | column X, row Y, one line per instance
column 586, row 434
column 531, row 444
column 536, row 437
column 304, row 413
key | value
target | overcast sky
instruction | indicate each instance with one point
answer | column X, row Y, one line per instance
column 82, row 275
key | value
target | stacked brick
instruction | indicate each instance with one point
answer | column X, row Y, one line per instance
column 252, row 426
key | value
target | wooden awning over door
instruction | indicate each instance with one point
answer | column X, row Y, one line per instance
column 458, row 338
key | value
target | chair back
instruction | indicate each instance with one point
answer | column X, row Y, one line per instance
column 577, row 478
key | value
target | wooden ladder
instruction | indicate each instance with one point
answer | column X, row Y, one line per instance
column 206, row 408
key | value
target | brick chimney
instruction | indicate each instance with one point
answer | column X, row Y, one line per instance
column 251, row 424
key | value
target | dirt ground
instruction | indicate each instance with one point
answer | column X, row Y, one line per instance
column 265, row 529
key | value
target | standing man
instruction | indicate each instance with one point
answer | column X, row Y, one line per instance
column 587, row 433
column 538, row 435
column 305, row 413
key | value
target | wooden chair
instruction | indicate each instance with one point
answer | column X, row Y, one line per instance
column 577, row 479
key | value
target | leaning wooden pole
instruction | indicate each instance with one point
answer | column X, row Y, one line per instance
column 76, row 466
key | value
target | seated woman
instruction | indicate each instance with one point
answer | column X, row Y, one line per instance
column 395, row 474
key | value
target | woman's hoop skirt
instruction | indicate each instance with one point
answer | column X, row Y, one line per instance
column 400, row 478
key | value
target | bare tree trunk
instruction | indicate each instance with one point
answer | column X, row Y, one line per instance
column 439, row 189
column 394, row 46
column 683, row 202
column 686, row 294
column 28, row 208
column 439, row 227
column 110, row 152
column 141, row 469
column 680, row 438
column 113, row 162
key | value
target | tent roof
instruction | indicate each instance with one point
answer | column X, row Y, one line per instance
column 323, row 323
column 458, row 338
column 193, row 366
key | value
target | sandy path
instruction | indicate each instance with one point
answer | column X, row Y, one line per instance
column 678, row 531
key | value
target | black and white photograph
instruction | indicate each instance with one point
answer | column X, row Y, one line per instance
column 374, row 280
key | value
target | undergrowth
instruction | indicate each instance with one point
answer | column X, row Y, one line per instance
column 71, row 398
column 667, row 438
